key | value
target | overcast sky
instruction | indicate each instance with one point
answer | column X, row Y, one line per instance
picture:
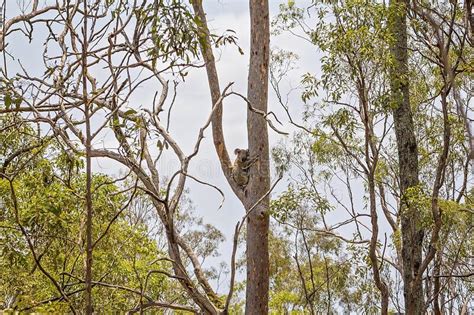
column 194, row 103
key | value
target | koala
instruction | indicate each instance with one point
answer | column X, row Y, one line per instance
column 240, row 168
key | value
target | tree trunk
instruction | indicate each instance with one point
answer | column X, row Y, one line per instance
column 412, row 233
column 89, row 247
column 437, row 285
column 259, row 184
column 255, row 196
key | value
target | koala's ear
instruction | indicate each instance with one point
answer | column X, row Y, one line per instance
column 237, row 151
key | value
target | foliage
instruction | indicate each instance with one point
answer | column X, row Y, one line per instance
column 50, row 211
column 348, row 127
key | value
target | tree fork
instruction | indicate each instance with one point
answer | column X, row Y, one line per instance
column 255, row 196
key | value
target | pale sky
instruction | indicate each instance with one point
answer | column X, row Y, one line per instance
column 194, row 103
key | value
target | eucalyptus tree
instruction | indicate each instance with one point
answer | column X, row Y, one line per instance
column 364, row 113
column 255, row 194
column 353, row 123
column 85, row 91
column 42, row 231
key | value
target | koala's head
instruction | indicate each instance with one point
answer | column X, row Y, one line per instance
column 242, row 154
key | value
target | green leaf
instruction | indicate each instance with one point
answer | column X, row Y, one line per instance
column 130, row 112
column 18, row 102
column 8, row 100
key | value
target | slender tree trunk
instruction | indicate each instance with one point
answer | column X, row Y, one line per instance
column 437, row 284
column 412, row 233
column 88, row 276
column 259, row 184
column 379, row 282
column 88, row 271
column 371, row 160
